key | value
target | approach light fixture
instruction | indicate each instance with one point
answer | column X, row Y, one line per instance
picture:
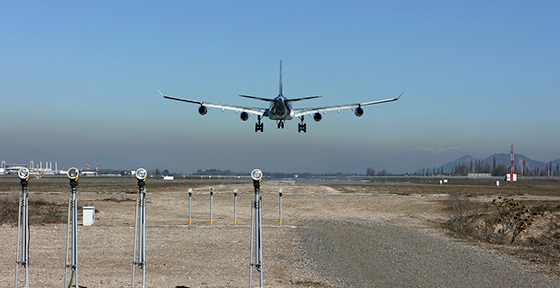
column 73, row 173
column 23, row 174
column 141, row 174
column 72, row 236
column 255, row 260
column 256, row 175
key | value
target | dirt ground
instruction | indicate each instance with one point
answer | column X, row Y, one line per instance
column 204, row 255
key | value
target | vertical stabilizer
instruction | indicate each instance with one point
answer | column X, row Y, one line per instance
column 280, row 89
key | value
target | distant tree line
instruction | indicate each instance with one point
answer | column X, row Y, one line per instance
column 270, row 174
column 536, row 171
column 481, row 166
column 371, row 172
column 215, row 172
column 305, row 175
column 165, row 172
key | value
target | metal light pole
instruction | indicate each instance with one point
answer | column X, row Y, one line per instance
column 140, row 228
column 23, row 228
column 72, row 241
column 256, row 230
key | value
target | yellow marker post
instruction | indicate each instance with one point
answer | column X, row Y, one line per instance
column 190, row 206
column 280, row 205
column 211, row 206
column 235, row 206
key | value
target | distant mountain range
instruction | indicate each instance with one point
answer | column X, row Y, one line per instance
column 501, row 158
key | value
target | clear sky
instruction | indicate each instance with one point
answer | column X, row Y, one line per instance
column 82, row 78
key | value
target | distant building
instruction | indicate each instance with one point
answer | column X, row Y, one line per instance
column 511, row 177
column 13, row 169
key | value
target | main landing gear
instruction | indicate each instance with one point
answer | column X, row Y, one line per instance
column 259, row 126
column 302, row 126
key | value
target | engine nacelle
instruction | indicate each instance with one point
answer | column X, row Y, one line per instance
column 202, row 110
column 359, row 111
column 317, row 117
column 244, row 116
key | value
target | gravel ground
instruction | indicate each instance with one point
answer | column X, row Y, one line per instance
column 354, row 254
column 368, row 236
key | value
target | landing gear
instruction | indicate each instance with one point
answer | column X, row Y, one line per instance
column 259, row 126
column 281, row 124
column 302, row 126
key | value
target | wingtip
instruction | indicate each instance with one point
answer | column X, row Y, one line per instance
column 160, row 92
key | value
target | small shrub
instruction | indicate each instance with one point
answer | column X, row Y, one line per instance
column 472, row 219
column 513, row 217
column 464, row 213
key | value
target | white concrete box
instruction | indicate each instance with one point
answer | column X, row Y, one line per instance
column 89, row 215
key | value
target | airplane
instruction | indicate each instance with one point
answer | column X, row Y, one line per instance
column 280, row 108
column 87, row 172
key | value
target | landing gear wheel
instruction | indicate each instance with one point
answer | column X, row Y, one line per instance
column 302, row 126
column 281, row 124
column 259, row 126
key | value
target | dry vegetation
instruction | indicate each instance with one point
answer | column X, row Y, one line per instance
column 530, row 228
column 40, row 211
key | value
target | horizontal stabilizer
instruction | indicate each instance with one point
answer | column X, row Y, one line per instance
column 258, row 98
column 303, row 98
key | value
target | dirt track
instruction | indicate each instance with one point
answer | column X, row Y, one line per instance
column 333, row 235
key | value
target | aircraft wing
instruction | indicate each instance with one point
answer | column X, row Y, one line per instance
column 301, row 112
column 251, row 110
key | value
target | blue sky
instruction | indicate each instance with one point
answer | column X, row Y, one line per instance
column 82, row 78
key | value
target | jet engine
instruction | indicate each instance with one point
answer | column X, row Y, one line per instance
column 359, row 111
column 244, row 116
column 202, row 110
column 317, row 117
